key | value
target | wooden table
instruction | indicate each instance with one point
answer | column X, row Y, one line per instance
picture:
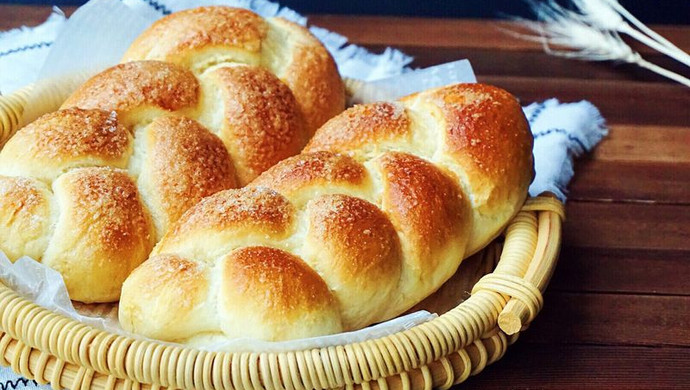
column 617, row 312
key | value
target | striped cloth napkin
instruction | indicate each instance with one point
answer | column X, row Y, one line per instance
column 562, row 131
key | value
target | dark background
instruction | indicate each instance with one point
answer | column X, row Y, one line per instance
column 649, row 11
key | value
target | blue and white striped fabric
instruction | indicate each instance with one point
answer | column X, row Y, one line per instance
column 10, row 381
column 561, row 131
column 23, row 51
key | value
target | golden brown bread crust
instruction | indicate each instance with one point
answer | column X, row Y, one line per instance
column 278, row 290
column 364, row 127
column 207, row 99
column 261, row 121
column 431, row 216
column 383, row 204
column 133, row 85
column 103, row 232
column 177, row 294
column 302, row 177
column 206, row 37
column 184, row 164
column 66, row 207
column 26, row 217
column 245, row 208
column 178, row 37
column 355, row 248
column 425, row 205
column 263, row 124
column 311, row 74
column 215, row 225
column 486, row 144
column 282, row 297
column 486, row 134
column 65, row 139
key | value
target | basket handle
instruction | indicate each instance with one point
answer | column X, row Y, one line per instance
column 527, row 262
column 519, row 312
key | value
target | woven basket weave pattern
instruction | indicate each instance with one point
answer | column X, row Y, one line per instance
column 11, row 110
column 51, row 348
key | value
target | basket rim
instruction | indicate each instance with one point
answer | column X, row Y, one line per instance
column 354, row 363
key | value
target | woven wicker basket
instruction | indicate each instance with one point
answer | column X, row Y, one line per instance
column 50, row 348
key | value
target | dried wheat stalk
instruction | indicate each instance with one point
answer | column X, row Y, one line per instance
column 591, row 32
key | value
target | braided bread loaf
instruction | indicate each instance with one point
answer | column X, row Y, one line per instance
column 375, row 214
column 88, row 190
column 203, row 38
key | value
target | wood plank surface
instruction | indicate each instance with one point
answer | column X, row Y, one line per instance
column 539, row 366
column 629, row 271
column 653, row 143
column 389, row 31
column 511, row 63
column 632, row 102
column 454, row 33
column 14, row 16
column 649, row 182
column 617, row 311
column 632, row 226
column 612, row 319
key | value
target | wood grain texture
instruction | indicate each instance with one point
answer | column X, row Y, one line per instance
column 628, row 271
column 631, row 102
column 614, row 181
column 612, row 319
column 617, row 312
column 13, row 15
column 454, row 33
column 631, row 226
column 652, row 143
column 539, row 366
column 512, row 63
column 390, row 31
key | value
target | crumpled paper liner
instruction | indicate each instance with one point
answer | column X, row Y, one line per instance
column 99, row 33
